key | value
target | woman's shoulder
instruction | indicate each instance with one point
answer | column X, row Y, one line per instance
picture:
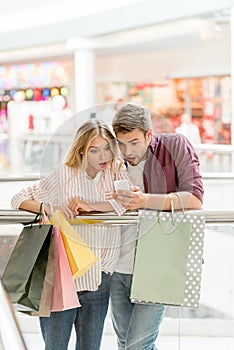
column 65, row 170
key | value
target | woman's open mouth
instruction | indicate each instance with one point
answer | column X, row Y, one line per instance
column 103, row 165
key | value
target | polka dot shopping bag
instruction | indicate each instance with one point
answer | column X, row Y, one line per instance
column 169, row 258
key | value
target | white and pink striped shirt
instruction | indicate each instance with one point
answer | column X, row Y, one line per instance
column 66, row 183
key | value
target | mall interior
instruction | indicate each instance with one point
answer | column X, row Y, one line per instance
column 65, row 61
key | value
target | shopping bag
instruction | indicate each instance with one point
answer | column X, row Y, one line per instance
column 168, row 260
column 79, row 255
column 24, row 273
column 59, row 291
column 64, row 292
column 48, row 286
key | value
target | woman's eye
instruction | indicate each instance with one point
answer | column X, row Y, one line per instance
column 93, row 150
column 107, row 147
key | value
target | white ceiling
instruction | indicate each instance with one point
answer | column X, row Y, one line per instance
column 23, row 14
column 13, row 6
column 30, row 28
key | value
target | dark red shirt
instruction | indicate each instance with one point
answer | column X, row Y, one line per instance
column 172, row 165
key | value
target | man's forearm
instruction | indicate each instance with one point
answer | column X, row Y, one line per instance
column 162, row 201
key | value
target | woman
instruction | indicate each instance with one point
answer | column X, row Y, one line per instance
column 85, row 182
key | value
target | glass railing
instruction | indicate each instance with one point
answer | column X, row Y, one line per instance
column 213, row 320
column 216, row 158
column 10, row 334
column 207, row 327
column 213, row 157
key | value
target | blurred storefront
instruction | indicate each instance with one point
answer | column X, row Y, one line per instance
column 172, row 68
column 206, row 99
column 31, row 110
column 35, row 99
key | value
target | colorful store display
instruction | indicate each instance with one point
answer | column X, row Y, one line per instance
column 155, row 95
column 33, row 99
column 32, row 94
column 43, row 74
column 207, row 100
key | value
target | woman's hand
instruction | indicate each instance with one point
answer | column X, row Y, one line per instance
column 77, row 205
column 65, row 210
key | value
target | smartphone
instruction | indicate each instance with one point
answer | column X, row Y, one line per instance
column 122, row 185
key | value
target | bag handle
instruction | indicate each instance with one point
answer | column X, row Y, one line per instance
column 180, row 200
column 172, row 209
column 38, row 217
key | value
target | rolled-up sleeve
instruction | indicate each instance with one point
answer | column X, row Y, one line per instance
column 44, row 190
column 187, row 165
column 28, row 193
column 119, row 209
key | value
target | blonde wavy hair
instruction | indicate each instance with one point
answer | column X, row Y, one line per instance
column 77, row 154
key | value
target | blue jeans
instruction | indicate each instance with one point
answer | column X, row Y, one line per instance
column 88, row 321
column 136, row 325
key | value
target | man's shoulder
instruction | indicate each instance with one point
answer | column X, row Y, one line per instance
column 172, row 143
column 169, row 139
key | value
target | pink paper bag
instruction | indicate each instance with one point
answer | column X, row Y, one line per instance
column 64, row 293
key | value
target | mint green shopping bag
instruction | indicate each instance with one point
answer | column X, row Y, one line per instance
column 161, row 260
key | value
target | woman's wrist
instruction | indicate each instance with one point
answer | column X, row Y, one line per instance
column 51, row 209
column 48, row 209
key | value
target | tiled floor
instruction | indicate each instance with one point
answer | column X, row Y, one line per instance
column 33, row 342
column 166, row 341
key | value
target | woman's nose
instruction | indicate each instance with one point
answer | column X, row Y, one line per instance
column 102, row 155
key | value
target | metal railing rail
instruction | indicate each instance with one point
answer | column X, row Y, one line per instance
column 216, row 148
column 212, row 217
column 20, row 178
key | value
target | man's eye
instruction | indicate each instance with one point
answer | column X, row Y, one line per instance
column 134, row 143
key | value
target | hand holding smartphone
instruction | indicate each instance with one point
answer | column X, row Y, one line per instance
column 122, row 185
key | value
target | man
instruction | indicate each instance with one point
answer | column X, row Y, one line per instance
column 157, row 165
column 189, row 129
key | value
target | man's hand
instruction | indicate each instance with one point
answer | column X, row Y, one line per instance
column 132, row 200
